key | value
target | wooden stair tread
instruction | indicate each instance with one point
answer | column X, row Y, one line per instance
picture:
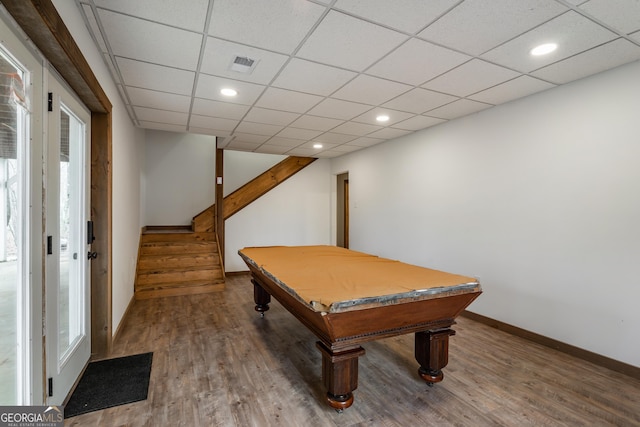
column 182, row 288
column 179, row 260
column 165, row 270
column 178, row 237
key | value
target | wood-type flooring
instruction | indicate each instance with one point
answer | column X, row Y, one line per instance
column 217, row 363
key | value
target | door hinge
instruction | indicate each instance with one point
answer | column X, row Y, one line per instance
column 49, row 245
column 50, row 386
column 50, row 102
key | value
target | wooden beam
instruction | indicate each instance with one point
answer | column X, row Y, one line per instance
column 101, row 204
column 219, row 204
column 41, row 22
column 260, row 185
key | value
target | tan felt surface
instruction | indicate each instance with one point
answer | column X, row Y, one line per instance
column 323, row 275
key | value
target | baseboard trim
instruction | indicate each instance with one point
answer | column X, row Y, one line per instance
column 597, row 359
column 125, row 315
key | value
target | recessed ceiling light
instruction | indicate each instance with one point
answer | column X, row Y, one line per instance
column 317, row 145
column 228, row 92
column 543, row 49
column 382, row 118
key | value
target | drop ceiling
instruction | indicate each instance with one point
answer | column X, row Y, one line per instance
column 324, row 70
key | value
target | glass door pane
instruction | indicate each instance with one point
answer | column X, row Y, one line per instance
column 72, row 247
column 13, row 225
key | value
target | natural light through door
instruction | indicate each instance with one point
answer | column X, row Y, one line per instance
column 14, row 251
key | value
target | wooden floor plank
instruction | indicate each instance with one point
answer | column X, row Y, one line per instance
column 217, row 363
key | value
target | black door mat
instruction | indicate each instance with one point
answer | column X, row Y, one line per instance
column 109, row 383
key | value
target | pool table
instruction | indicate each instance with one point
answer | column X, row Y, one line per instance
column 347, row 298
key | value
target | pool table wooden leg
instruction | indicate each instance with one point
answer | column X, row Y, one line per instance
column 432, row 353
column 340, row 375
column 261, row 297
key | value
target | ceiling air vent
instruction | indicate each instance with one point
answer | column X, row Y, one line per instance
column 242, row 64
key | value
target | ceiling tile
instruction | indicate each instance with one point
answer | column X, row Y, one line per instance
column 242, row 146
column 457, row 109
column 421, row 61
column 287, row 100
column 622, row 15
column 389, row 133
column 209, row 88
column 471, row 77
column 337, row 109
column 212, row 123
column 572, row 32
column 370, row 90
column 163, row 126
column 474, row 28
column 155, row 77
column 273, row 149
column 316, row 123
column 419, row 100
column 335, row 138
column 405, row 15
column 596, row 60
column 94, row 28
column 274, row 117
column 156, row 43
column 366, row 142
column 278, row 25
column 359, row 129
column 207, row 107
column 161, row 116
column 305, row 134
column 370, row 116
column 418, row 122
column 163, row 11
column 247, row 137
column 221, row 134
column 348, row 42
column 326, row 79
column 344, row 148
column 258, row 128
column 165, row 101
column 220, row 54
column 516, row 88
column 636, row 36
column 285, row 142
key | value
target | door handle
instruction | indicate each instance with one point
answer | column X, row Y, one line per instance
column 92, row 255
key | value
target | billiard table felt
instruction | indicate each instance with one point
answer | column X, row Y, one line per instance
column 333, row 279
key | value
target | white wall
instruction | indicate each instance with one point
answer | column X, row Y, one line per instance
column 179, row 176
column 241, row 167
column 538, row 197
column 128, row 143
column 296, row 212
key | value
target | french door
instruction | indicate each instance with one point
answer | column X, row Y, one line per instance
column 67, row 289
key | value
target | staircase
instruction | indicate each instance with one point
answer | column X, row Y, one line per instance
column 177, row 262
column 187, row 260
